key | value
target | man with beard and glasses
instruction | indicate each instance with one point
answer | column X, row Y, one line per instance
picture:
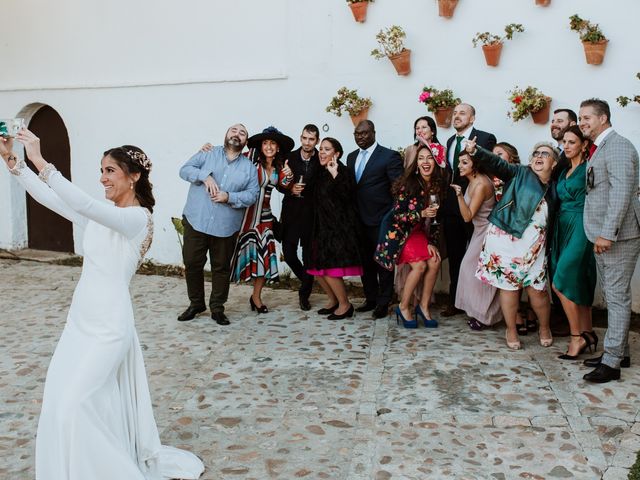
column 296, row 219
column 457, row 233
column 223, row 184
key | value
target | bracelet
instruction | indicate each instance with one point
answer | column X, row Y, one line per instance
column 20, row 164
column 46, row 172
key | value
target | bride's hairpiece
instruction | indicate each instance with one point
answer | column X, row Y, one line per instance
column 140, row 158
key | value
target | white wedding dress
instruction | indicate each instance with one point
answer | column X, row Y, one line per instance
column 97, row 420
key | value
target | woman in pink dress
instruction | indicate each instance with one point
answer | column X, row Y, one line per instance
column 480, row 301
column 408, row 234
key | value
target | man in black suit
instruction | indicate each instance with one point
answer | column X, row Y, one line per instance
column 375, row 169
column 296, row 219
column 457, row 233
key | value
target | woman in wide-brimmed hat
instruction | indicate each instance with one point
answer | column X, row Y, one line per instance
column 255, row 256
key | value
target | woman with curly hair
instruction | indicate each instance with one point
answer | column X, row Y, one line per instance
column 408, row 234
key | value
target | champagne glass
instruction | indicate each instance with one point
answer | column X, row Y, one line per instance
column 434, row 201
column 300, row 182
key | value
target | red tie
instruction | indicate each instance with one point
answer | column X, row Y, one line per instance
column 592, row 150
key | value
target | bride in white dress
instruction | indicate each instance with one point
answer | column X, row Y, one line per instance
column 97, row 420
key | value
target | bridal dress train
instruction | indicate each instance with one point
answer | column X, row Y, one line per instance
column 97, row 420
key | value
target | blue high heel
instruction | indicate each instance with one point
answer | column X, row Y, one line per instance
column 428, row 322
column 405, row 323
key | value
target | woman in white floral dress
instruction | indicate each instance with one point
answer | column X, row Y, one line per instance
column 513, row 256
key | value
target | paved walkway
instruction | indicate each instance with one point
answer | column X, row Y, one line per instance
column 290, row 395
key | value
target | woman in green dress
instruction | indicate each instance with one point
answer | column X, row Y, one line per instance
column 572, row 263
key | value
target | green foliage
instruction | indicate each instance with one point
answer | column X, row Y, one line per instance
column 391, row 42
column 435, row 99
column 177, row 224
column 624, row 100
column 525, row 101
column 349, row 101
column 488, row 38
column 589, row 32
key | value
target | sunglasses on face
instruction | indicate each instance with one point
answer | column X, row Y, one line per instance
column 541, row 154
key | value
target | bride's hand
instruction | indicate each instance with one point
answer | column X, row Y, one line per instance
column 6, row 147
column 31, row 144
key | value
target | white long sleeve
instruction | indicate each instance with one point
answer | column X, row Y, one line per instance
column 127, row 221
column 44, row 195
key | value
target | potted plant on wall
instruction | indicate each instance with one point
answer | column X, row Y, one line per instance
column 593, row 40
column 543, row 3
column 441, row 103
column 391, row 42
column 349, row 101
column 492, row 44
column 359, row 9
column 447, row 7
column 624, row 100
column 529, row 101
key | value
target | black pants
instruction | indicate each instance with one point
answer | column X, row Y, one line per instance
column 377, row 281
column 457, row 234
column 292, row 236
column 194, row 255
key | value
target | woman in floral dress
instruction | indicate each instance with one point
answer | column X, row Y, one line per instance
column 513, row 256
column 255, row 256
column 408, row 236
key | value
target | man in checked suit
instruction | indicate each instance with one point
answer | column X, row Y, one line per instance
column 375, row 169
column 457, row 233
column 612, row 223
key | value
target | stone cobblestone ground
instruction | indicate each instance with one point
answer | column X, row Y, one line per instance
column 292, row 395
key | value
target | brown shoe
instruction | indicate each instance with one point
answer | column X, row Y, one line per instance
column 450, row 311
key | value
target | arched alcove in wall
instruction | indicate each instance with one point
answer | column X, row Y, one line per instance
column 47, row 230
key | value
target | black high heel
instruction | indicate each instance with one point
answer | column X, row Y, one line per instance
column 341, row 316
column 328, row 311
column 254, row 307
column 591, row 338
column 521, row 328
column 566, row 356
column 405, row 323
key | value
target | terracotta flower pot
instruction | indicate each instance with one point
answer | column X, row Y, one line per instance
column 443, row 116
column 446, row 8
column 402, row 62
column 594, row 52
column 541, row 117
column 543, row 3
column 356, row 119
column 492, row 53
column 359, row 11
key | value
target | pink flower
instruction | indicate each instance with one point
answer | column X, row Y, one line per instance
column 424, row 96
column 412, row 206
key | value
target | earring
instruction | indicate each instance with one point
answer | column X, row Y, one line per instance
column 131, row 185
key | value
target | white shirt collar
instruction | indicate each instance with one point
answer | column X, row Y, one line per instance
column 598, row 140
column 370, row 150
column 466, row 133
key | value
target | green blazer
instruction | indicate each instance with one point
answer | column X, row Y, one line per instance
column 523, row 191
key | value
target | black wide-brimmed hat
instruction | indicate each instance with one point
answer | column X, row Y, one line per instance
column 272, row 133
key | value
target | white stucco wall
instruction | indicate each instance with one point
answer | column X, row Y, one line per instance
column 178, row 75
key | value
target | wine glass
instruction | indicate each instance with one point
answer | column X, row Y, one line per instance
column 300, row 182
column 434, row 201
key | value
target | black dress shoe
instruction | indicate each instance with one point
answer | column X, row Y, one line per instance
column 305, row 306
column 594, row 362
column 220, row 318
column 381, row 311
column 603, row 374
column 366, row 307
column 347, row 314
column 190, row 313
column 450, row 311
column 327, row 311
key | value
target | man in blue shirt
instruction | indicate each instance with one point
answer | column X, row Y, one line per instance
column 223, row 184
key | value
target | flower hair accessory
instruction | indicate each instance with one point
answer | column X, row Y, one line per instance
column 439, row 154
column 141, row 159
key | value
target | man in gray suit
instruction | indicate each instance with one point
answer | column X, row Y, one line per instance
column 612, row 223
